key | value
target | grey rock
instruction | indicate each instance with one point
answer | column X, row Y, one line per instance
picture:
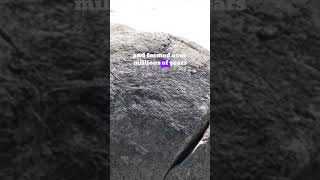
column 52, row 92
column 154, row 111
column 266, row 87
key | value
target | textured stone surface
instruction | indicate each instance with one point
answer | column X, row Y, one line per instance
column 154, row 111
column 53, row 116
column 266, row 84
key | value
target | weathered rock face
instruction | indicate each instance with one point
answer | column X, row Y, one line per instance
column 154, row 111
column 266, row 84
column 53, row 117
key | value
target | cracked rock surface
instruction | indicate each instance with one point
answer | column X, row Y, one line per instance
column 154, row 111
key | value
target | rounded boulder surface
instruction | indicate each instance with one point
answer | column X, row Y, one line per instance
column 155, row 111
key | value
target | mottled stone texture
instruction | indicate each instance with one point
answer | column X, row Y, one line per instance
column 53, row 103
column 154, row 111
column 266, row 83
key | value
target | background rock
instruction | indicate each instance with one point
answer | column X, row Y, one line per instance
column 53, row 103
column 265, row 90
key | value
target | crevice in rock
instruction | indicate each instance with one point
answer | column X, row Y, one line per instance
column 191, row 146
column 115, row 77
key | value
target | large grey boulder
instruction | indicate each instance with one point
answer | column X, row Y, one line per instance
column 155, row 112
